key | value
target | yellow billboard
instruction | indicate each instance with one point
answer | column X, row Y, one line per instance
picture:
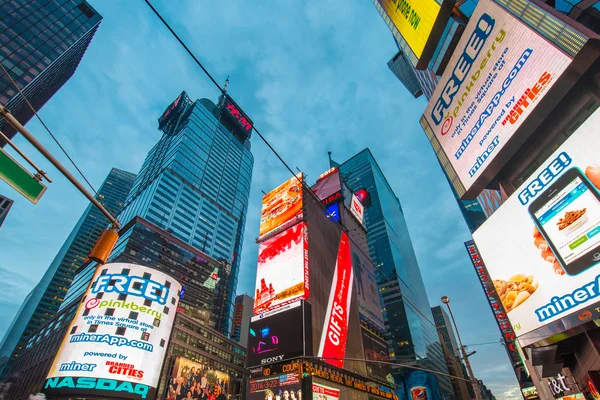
column 414, row 19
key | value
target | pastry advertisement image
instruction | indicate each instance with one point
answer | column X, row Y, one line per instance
column 542, row 246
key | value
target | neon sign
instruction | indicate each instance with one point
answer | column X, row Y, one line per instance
column 239, row 115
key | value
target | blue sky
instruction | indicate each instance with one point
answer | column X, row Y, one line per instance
column 313, row 77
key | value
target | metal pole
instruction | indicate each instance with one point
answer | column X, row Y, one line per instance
column 466, row 358
column 21, row 129
column 40, row 173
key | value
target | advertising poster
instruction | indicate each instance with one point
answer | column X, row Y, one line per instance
column 281, row 205
column 414, row 19
column 189, row 378
column 277, row 387
column 327, row 185
column 322, row 392
column 420, row 385
column 376, row 350
column 282, row 272
column 332, row 347
column 357, row 209
column 119, row 335
column 494, row 81
column 542, row 246
column 369, row 304
column 332, row 212
column 277, row 337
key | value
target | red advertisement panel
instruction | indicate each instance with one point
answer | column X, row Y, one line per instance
column 335, row 329
column 322, row 392
column 282, row 273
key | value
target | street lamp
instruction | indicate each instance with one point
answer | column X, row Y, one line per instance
column 446, row 301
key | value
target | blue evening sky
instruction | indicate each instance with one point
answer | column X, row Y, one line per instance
column 313, row 77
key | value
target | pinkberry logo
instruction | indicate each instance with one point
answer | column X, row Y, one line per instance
column 91, row 303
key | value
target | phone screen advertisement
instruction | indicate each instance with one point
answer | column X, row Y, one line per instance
column 542, row 246
column 570, row 221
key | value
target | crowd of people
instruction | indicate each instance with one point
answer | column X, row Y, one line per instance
column 283, row 394
column 191, row 383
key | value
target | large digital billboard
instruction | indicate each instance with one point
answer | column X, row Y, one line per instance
column 494, row 81
column 283, row 386
column 322, row 392
column 328, row 186
column 277, row 337
column 414, row 19
column 119, row 335
column 420, row 385
column 281, row 205
column 282, row 271
column 376, row 350
column 542, row 246
column 369, row 304
column 332, row 347
column 189, row 378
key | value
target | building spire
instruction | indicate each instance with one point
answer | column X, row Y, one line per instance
column 226, row 84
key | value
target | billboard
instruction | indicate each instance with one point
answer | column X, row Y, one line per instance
column 542, row 246
column 369, row 304
column 357, row 209
column 414, row 19
column 332, row 346
column 332, row 212
column 119, row 335
column 493, row 82
column 328, row 185
column 376, row 350
column 281, row 205
column 420, row 385
column 277, row 337
column 282, row 271
column 189, row 378
column 283, row 386
column 322, row 392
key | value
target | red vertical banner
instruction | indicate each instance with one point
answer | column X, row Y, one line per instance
column 335, row 329
column 306, row 270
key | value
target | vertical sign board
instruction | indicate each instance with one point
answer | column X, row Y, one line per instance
column 493, row 82
column 332, row 347
column 499, row 313
column 117, row 341
column 357, row 209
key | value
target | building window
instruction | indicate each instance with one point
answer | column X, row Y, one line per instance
column 125, row 271
column 168, row 284
column 146, row 276
column 137, row 285
column 85, row 312
column 166, row 310
column 173, row 300
column 148, row 303
column 133, row 315
column 73, row 330
column 156, row 322
column 110, row 312
column 122, row 297
column 162, row 342
column 120, row 331
column 93, row 328
column 100, row 295
column 145, row 336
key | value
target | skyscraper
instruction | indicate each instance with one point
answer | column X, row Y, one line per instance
column 5, row 205
column 195, row 183
column 241, row 318
column 45, row 299
column 41, row 45
column 411, row 333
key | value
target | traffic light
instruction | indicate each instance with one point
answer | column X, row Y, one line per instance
column 104, row 246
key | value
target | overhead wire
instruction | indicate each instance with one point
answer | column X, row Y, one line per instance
column 262, row 137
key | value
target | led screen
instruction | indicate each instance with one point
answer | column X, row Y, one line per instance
column 283, row 386
column 493, row 82
column 281, row 205
column 194, row 379
column 328, row 185
column 119, row 335
column 322, row 392
column 542, row 246
column 282, row 272
column 369, row 304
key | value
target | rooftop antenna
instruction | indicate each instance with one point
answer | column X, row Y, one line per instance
column 226, row 84
column 329, row 155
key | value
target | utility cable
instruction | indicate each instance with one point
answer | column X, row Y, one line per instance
column 187, row 49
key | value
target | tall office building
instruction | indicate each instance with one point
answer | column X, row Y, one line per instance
column 195, row 183
column 45, row 299
column 444, row 326
column 5, row 205
column 405, row 73
column 41, row 45
column 241, row 319
column 411, row 333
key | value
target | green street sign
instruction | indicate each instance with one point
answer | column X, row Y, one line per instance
column 19, row 178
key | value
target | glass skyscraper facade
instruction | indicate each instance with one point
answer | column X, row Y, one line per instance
column 46, row 298
column 5, row 205
column 41, row 45
column 195, row 182
column 410, row 329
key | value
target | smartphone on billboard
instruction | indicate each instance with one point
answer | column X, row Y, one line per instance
column 568, row 216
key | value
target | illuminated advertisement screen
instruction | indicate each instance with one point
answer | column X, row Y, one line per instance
column 332, row 212
column 283, row 386
column 322, row 392
column 189, row 378
column 414, row 19
column 369, row 304
column 119, row 335
column 328, row 185
column 542, row 246
column 277, row 337
column 420, row 385
column 281, row 205
column 376, row 350
column 282, row 272
column 332, row 347
column 493, row 82
column 357, row 209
